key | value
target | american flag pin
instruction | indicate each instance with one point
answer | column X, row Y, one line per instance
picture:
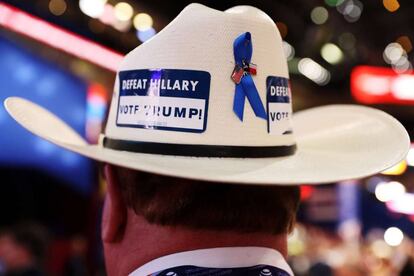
column 237, row 74
column 252, row 69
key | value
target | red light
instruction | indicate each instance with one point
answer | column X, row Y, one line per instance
column 97, row 100
column 97, row 93
column 56, row 37
column 305, row 192
column 380, row 85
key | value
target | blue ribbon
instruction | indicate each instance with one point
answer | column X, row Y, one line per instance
column 243, row 51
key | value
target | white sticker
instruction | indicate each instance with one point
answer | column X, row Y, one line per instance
column 279, row 107
column 153, row 111
column 164, row 99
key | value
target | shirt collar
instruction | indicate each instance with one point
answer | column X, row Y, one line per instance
column 225, row 257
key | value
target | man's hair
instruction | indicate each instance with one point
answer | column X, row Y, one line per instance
column 197, row 204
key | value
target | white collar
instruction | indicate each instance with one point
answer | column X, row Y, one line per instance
column 224, row 257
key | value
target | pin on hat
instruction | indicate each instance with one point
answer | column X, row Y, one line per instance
column 208, row 98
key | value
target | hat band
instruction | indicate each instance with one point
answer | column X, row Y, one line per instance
column 199, row 150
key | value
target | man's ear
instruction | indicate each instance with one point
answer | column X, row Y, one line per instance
column 114, row 212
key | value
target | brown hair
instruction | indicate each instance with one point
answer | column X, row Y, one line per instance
column 205, row 205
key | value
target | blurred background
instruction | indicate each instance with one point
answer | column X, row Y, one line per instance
column 63, row 54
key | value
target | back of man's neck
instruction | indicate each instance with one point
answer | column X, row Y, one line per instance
column 143, row 242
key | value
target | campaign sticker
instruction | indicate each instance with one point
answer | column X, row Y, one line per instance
column 279, row 108
column 164, row 99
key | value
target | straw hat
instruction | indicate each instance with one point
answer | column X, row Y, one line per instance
column 208, row 98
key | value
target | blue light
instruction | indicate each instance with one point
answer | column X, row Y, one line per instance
column 31, row 77
column 78, row 114
column 145, row 35
column 46, row 86
column 24, row 73
column 43, row 147
column 2, row 114
column 70, row 159
column 96, row 111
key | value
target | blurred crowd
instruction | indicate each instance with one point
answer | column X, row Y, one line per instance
column 316, row 252
column 28, row 249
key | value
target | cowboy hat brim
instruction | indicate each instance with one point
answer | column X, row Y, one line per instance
column 334, row 143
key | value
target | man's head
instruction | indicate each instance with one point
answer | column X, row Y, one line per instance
column 191, row 205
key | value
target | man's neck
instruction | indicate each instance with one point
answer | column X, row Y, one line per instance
column 143, row 242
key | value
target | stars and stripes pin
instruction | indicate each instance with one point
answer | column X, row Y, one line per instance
column 240, row 71
column 237, row 74
column 252, row 69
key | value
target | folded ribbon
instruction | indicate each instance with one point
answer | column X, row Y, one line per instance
column 243, row 70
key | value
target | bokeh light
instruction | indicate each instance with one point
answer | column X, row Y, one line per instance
column 403, row 65
column 314, row 71
column 402, row 88
column 92, row 8
column 44, row 147
column 405, row 42
column 319, row 15
column 143, row 21
column 410, row 156
column 403, row 204
column 387, row 191
column 293, row 65
column 381, row 249
column 332, row 53
column 373, row 181
column 108, row 15
column 396, row 55
column 289, row 50
column 122, row 26
column 123, row 11
column 397, row 169
column 333, row 3
column 351, row 10
column 391, row 5
column 393, row 52
column 57, row 7
column 296, row 241
column 283, row 29
column 145, row 35
column 393, row 236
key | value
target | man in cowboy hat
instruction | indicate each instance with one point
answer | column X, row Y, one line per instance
column 230, row 228
column 195, row 178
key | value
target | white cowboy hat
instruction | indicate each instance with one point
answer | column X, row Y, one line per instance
column 189, row 103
